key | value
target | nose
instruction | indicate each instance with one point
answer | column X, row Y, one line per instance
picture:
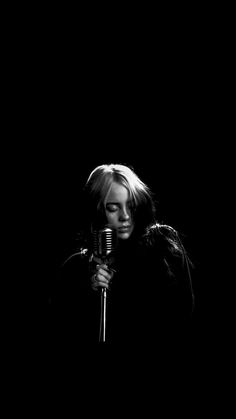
column 124, row 214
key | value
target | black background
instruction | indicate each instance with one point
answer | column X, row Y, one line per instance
column 150, row 88
column 177, row 172
column 149, row 100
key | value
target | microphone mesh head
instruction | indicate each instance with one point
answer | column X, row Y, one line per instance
column 104, row 241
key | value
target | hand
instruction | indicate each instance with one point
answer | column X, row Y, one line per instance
column 102, row 277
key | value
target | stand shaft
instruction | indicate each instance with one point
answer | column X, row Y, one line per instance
column 102, row 333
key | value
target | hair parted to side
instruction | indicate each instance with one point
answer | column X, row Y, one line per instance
column 98, row 186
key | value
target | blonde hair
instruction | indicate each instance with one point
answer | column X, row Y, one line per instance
column 102, row 177
column 100, row 182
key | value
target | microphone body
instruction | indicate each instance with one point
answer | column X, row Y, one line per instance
column 104, row 244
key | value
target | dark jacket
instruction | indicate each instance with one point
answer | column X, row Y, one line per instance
column 150, row 301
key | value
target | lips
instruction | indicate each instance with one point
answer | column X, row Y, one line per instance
column 124, row 228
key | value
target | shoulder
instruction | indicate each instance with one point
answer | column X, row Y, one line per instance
column 161, row 229
column 166, row 242
column 163, row 236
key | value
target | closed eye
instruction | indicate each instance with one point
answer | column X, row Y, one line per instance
column 111, row 207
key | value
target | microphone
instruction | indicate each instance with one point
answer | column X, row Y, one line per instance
column 104, row 244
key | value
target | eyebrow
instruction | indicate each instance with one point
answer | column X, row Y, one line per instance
column 116, row 202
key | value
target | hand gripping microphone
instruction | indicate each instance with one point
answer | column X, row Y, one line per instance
column 104, row 244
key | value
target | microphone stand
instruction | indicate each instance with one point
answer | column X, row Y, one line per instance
column 103, row 313
column 104, row 241
column 102, row 332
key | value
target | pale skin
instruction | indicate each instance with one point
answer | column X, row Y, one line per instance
column 118, row 214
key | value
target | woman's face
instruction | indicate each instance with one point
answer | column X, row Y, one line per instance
column 118, row 211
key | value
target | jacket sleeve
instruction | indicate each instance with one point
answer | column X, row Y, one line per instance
column 75, row 314
column 176, row 271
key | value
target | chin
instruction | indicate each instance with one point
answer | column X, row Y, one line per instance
column 124, row 236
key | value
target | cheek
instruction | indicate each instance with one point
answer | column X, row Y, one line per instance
column 112, row 218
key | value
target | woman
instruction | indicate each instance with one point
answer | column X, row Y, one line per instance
column 144, row 283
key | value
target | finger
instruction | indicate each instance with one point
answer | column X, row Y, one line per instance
column 102, row 266
column 102, row 279
column 105, row 267
column 97, row 259
column 104, row 273
column 99, row 283
column 102, row 285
